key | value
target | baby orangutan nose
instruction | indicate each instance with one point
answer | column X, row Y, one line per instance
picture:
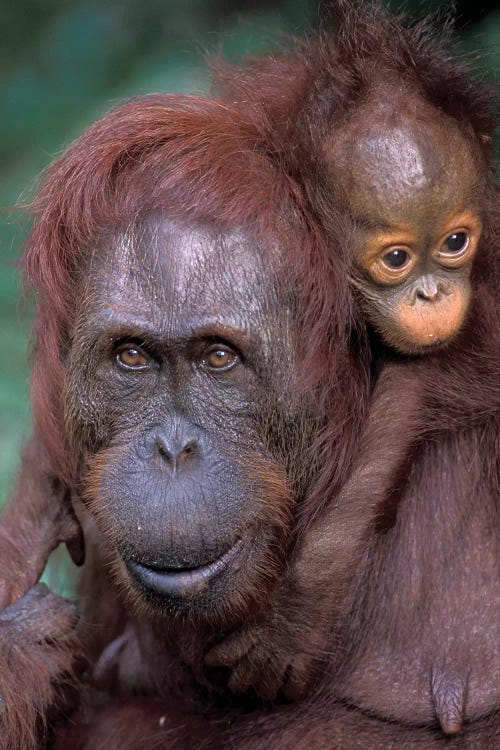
column 430, row 290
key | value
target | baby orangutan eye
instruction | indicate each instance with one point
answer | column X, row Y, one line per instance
column 397, row 258
column 456, row 243
column 392, row 266
column 219, row 358
column 457, row 249
column 131, row 357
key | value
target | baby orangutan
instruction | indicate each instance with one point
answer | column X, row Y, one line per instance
column 409, row 181
column 402, row 189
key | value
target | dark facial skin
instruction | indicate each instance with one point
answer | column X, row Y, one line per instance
column 410, row 180
column 172, row 376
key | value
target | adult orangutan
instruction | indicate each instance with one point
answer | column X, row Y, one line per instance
column 149, row 385
column 226, row 418
column 199, row 389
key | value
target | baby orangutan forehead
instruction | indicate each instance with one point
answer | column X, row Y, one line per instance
column 401, row 160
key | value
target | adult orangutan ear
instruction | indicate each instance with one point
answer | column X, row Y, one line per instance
column 485, row 138
column 73, row 537
column 76, row 547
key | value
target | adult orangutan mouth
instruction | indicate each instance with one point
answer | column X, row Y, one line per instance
column 180, row 582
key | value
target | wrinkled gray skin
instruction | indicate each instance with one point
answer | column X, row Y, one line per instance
column 189, row 525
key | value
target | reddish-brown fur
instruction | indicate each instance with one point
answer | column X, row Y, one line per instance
column 215, row 169
column 205, row 160
column 46, row 520
column 335, row 75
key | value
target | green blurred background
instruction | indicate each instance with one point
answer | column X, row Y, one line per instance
column 63, row 63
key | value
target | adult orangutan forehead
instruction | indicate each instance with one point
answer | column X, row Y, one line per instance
column 176, row 277
column 400, row 160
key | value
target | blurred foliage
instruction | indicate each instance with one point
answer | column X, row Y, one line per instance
column 63, row 63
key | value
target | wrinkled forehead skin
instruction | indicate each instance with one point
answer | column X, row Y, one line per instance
column 175, row 278
column 402, row 161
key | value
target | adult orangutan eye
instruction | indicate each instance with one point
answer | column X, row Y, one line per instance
column 397, row 258
column 456, row 243
column 219, row 358
column 131, row 357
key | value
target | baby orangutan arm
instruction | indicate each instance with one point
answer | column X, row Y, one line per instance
column 277, row 651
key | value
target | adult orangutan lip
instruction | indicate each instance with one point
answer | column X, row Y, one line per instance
column 180, row 582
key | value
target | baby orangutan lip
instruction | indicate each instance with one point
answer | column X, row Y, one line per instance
column 180, row 581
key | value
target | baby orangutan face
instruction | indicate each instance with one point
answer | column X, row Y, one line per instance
column 411, row 184
column 422, row 281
